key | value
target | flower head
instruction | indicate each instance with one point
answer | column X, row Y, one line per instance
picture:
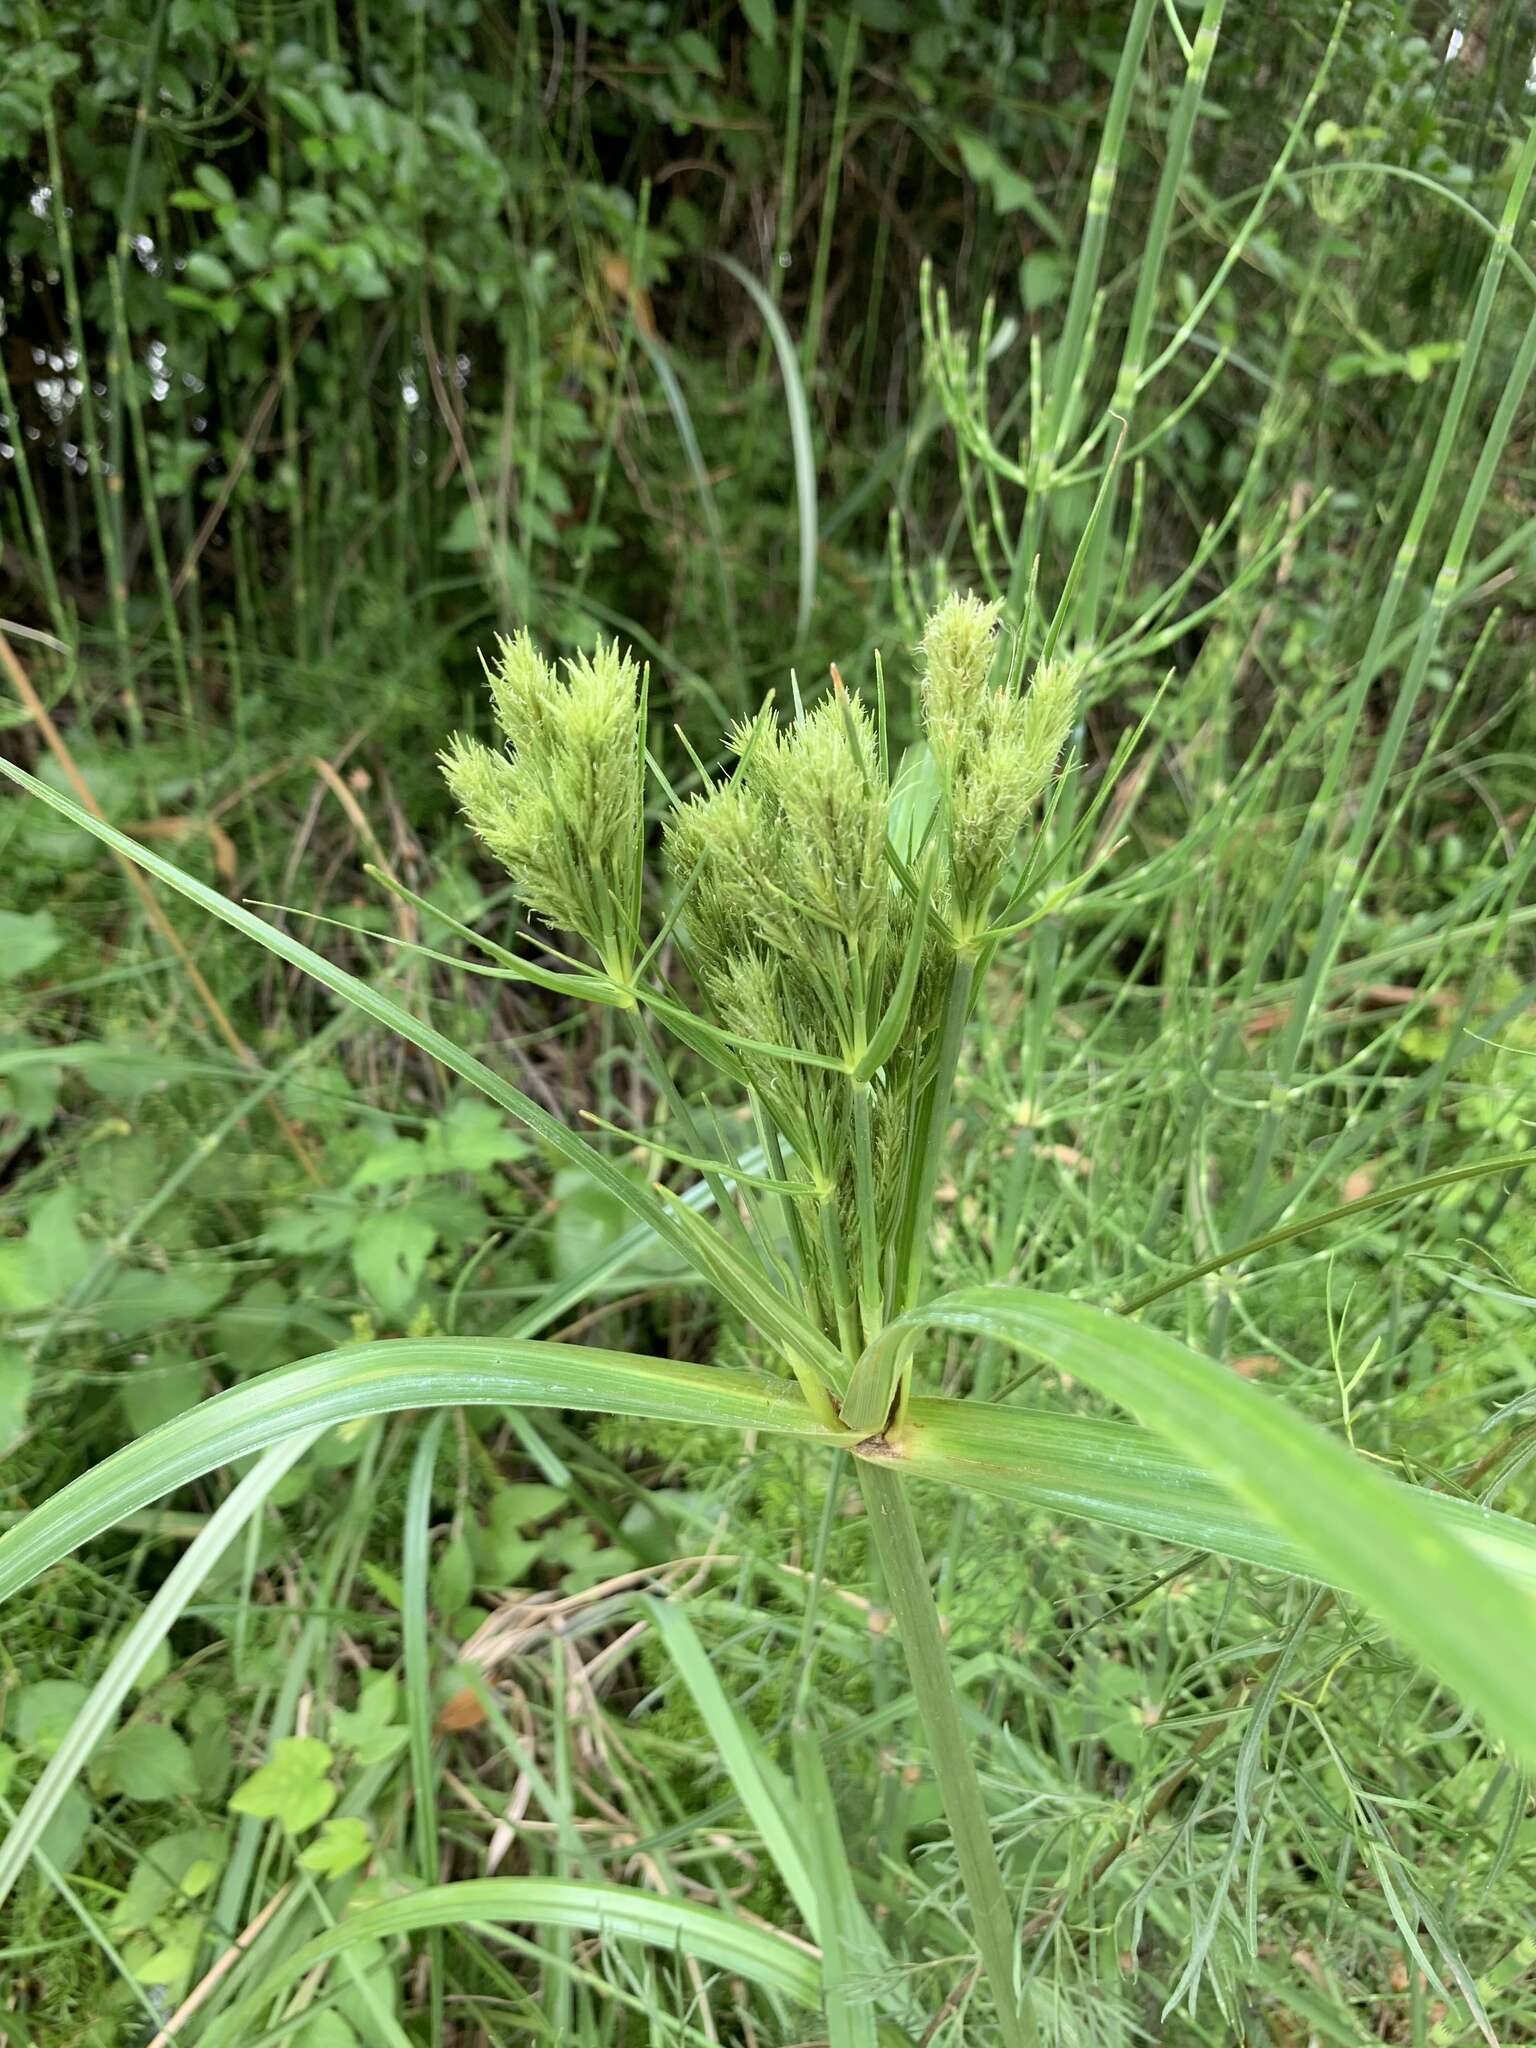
column 562, row 806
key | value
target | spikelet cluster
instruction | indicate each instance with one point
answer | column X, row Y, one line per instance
column 995, row 749
column 797, row 911
column 787, row 859
column 792, row 915
column 561, row 806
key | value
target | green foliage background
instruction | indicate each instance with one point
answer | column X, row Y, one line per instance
column 338, row 338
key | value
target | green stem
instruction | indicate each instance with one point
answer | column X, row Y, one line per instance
column 841, row 1282
column 810, row 340
column 415, row 1642
column 794, row 1227
column 928, row 1139
column 126, row 394
column 655, row 1061
column 106, row 483
column 933, row 1687
column 1149, row 274
column 870, row 1303
column 790, row 171
column 36, row 528
column 1343, row 888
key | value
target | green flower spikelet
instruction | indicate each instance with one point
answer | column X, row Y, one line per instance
column 795, row 915
column 562, row 807
column 995, row 750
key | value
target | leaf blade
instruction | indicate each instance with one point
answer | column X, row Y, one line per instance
column 1444, row 1597
column 765, row 1793
column 614, row 1912
column 634, row 1196
column 384, row 1378
column 1105, row 1471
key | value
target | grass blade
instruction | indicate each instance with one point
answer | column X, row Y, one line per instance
column 764, row 1791
column 1104, row 1471
column 381, row 1379
column 1072, row 1464
column 372, row 1002
column 1342, row 1212
column 610, row 1911
column 799, row 433
column 1443, row 1598
column 682, row 419
column 171, row 1599
column 415, row 1644
column 893, row 1534
column 849, row 1952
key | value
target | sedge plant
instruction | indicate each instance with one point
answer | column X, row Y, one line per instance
column 813, row 925
column 834, row 978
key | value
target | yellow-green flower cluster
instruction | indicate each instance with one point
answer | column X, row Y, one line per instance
column 833, row 958
column 995, row 749
column 790, row 854
column 562, row 806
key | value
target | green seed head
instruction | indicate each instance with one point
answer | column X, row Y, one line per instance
column 1049, row 711
column 751, row 998
column 717, row 846
column 524, row 691
column 832, row 815
column 959, row 642
column 995, row 751
column 792, row 852
column 561, row 808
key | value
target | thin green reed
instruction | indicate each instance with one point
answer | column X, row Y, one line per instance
column 1044, row 466
column 789, row 172
column 907, row 1585
column 1342, row 889
column 37, row 531
column 810, row 339
column 1128, row 380
column 1053, row 401
column 1053, row 413
column 1296, row 131
column 416, row 1653
column 123, row 383
column 1058, row 422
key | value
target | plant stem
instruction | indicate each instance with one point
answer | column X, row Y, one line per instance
column 790, row 172
column 106, row 484
column 928, row 1140
column 870, row 1291
column 415, row 1642
column 922, row 1642
column 810, row 340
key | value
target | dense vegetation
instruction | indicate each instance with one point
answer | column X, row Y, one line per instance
column 337, row 342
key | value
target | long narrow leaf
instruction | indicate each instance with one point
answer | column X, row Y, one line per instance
column 380, row 1379
column 639, row 1200
column 682, row 419
column 371, row 1001
column 852, row 1960
column 1455, row 1607
column 1103, row 1471
column 799, row 433
column 1068, row 1464
column 763, row 1789
column 148, row 1632
column 611, row 1912
column 1344, row 1212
